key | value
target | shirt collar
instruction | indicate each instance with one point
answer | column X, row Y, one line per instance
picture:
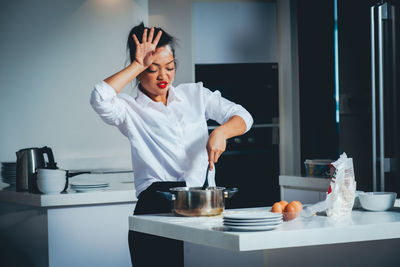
column 144, row 100
column 173, row 96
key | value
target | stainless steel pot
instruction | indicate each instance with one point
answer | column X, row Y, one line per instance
column 195, row 201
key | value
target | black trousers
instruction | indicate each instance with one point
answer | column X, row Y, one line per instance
column 149, row 250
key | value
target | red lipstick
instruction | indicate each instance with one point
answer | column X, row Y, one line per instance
column 162, row 84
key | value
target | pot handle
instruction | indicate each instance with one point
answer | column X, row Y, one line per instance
column 166, row 195
column 229, row 192
column 70, row 175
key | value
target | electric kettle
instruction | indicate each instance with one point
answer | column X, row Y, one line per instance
column 28, row 160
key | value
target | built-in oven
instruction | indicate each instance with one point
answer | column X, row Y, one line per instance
column 251, row 161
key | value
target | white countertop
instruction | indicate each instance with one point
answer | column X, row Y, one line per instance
column 121, row 189
column 315, row 230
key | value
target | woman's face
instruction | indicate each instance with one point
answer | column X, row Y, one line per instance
column 158, row 77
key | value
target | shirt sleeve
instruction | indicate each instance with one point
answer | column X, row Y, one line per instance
column 221, row 109
column 107, row 104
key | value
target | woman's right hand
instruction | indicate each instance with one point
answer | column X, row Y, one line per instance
column 146, row 49
column 144, row 57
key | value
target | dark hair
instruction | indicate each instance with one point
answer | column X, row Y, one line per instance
column 166, row 39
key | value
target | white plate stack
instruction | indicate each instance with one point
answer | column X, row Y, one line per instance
column 9, row 172
column 87, row 186
column 252, row 220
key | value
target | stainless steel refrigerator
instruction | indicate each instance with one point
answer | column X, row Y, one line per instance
column 369, row 94
column 385, row 98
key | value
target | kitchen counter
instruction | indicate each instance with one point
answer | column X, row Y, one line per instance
column 364, row 239
column 209, row 231
column 68, row 229
column 121, row 189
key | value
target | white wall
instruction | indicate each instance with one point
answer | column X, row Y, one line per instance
column 217, row 31
column 52, row 52
column 234, row 32
column 175, row 17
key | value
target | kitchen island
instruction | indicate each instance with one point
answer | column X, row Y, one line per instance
column 68, row 229
column 364, row 239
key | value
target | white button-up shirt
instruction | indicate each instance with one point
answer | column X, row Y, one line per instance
column 168, row 142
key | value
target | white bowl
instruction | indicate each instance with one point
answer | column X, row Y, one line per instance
column 357, row 204
column 51, row 186
column 377, row 201
column 49, row 178
column 50, row 171
column 51, row 174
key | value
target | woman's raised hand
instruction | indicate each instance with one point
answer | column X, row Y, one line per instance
column 146, row 49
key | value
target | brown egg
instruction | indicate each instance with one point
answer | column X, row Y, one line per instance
column 298, row 204
column 283, row 204
column 292, row 210
column 277, row 207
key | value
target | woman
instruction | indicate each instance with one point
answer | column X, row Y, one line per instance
column 167, row 130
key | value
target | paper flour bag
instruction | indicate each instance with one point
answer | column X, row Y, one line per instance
column 341, row 193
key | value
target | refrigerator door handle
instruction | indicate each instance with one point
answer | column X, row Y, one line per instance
column 382, row 15
column 381, row 9
column 373, row 98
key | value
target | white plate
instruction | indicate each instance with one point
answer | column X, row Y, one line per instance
column 248, row 215
column 252, row 228
column 253, row 224
column 9, row 176
column 9, row 180
column 88, row 189
column 9, row 173
column 253, row 220
column 89, row 184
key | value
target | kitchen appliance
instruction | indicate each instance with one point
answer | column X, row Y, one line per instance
column 194, row 201
column 28, row 160
column 251, row 161
column 369, row 92
column 385, row 98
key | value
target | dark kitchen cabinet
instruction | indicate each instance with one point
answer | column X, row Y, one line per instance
column 251, row 161
column 319, row 131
